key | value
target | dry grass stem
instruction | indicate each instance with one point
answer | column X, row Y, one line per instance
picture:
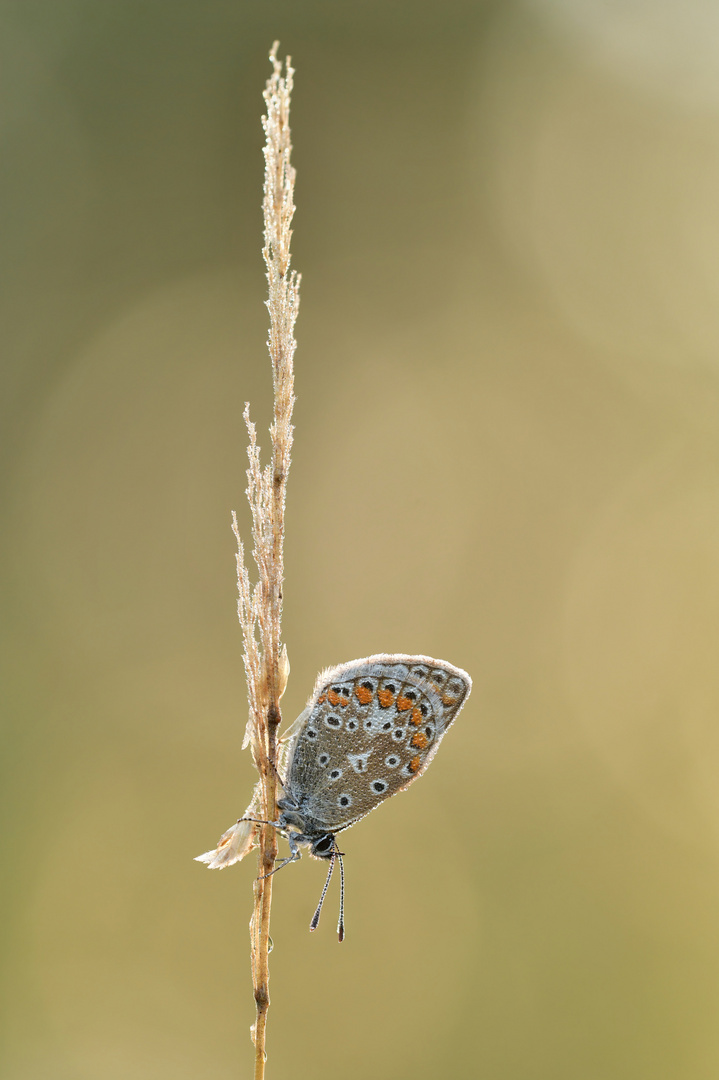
column 259, row 606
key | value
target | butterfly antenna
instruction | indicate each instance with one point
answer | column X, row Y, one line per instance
column 341, row 921
column 316, row 917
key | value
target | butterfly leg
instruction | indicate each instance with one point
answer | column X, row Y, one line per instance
column 259, row 821
column 293, row 856
column 279, row 778
column 289, row 859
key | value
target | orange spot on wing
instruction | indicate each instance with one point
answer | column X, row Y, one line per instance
column 321, row 700
column 414, row 764
column 363, row 695
column 447, row 699
column 403, row 703
column 344, row 700
column 416, row 717
column 385, row 698
column 333, row 697
column 420, row 740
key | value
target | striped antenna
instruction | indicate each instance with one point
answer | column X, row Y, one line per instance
column 316, row 917
column 341, row 920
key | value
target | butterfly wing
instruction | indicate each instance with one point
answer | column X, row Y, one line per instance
column 370, row 728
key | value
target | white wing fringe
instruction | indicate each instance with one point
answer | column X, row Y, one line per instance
column 237, row 842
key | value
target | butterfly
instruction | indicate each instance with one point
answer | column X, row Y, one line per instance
column 370, row 728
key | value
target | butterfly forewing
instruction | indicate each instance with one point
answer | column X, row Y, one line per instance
column 372, row 726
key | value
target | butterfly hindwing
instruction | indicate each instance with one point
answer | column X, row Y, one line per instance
column 371, row 727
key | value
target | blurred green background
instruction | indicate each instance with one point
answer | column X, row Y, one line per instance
column 507, row 455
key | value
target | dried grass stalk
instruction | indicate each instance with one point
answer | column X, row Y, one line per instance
column 259, row 606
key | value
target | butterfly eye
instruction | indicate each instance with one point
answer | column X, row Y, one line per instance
column 392, row 761
column 311, row 733
column 323, row 759
column 410, row 695
column 398, row 734
column 333, row 722
column 379, row 786
column 323, row 846
column 386, row 726
column 344, row 801
column 351, row 725
column 335, row 774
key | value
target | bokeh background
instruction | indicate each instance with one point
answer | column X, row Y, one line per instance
column 506, row 455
